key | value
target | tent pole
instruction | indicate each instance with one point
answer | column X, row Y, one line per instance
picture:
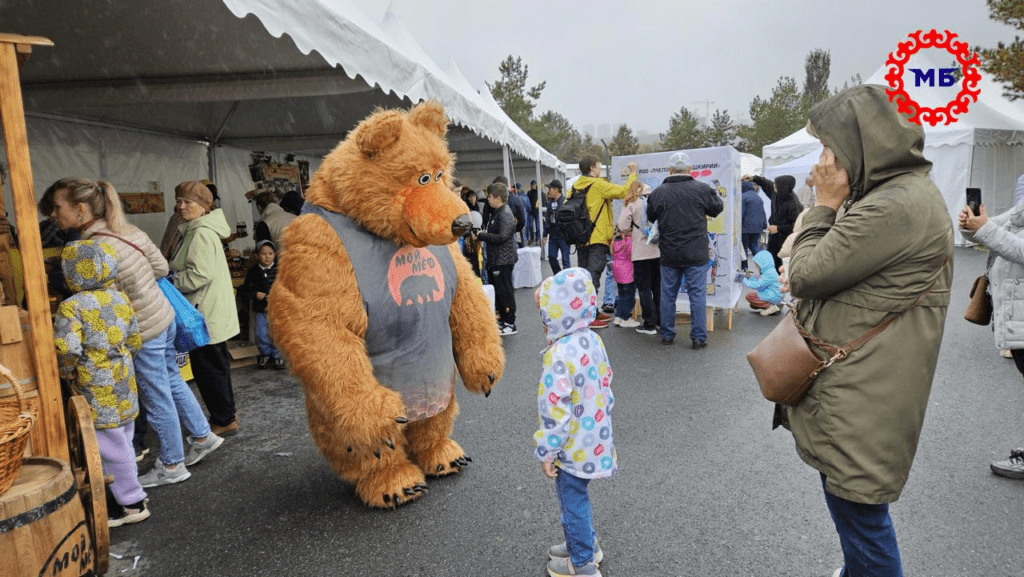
column 507, row 161
column 53, row 440
column 211, row 162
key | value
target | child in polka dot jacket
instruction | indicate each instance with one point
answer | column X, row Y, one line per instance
column 574, row 439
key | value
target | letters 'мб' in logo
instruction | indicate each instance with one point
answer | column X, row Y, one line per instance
column 944, row 77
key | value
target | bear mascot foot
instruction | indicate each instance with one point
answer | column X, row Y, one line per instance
column 443, row 458
column 392, row 486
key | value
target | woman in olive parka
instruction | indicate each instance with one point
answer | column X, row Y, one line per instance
column 860, row 422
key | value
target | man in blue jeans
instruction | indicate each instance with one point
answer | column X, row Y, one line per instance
column 680, row 206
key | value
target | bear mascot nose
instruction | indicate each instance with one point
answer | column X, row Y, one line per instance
column 462, row 225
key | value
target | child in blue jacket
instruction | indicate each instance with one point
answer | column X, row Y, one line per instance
column 769, row 293
column 574, row 439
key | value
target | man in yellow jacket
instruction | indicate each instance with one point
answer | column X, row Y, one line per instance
column 600, row 194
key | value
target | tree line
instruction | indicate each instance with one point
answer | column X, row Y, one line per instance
column 772, row 118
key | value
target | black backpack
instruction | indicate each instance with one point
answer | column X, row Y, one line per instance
column 574, row 218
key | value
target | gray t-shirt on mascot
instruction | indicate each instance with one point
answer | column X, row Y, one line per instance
column 407, row 293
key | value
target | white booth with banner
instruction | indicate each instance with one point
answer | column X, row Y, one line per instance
column 720, row 168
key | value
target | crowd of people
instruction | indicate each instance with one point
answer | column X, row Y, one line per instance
column 115, row 330
column 836, row 253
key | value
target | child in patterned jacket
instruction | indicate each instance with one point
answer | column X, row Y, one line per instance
column 95, row 335
column 574, row 440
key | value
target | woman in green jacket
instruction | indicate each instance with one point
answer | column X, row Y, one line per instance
column 860, row 422
column 202, row 275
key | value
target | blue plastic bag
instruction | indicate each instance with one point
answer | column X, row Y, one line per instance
column 191, row 326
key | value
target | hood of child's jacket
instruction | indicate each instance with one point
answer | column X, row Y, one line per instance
column 869, row 137
column 89, row 265
column 765, row 261
column 568, row 302
column 214, row 221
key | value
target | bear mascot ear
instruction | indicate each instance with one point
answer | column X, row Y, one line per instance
column 430, row 115
column 379, row 131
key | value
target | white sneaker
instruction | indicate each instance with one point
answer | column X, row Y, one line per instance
column 197, row 450
column 629, row 323
column 161, row 475
column 770, row 311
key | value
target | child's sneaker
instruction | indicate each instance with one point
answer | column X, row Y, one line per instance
column 770, row 311
column 509, row 329
column 197, row 450
column 562, row 567
column 262, row 362
column 560, row 551
column 129, row 514
column 279, row 365
column 161, row 475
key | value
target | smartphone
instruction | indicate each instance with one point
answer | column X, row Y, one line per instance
column 974, row 200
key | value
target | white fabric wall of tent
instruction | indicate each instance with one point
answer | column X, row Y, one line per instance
column 334, row 66
column 983, row 148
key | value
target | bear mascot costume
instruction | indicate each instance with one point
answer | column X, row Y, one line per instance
column 375, row 308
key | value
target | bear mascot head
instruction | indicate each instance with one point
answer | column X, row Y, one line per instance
column 377, row 311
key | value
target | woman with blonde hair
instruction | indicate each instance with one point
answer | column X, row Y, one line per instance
column 646, row 256
column 94, row 209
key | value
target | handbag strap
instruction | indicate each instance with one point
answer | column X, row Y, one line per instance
column 839, row 353
column 120, row 239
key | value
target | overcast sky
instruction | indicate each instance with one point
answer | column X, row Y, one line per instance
column 613, row 62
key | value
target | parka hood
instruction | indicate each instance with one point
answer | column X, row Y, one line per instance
column 765, row 261
column 869, row 137
column 747, row 186
column 89, row 265
column 568, row 303
column 214, row 221
column 784, row 186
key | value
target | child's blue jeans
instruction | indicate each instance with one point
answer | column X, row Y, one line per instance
column 263, row 340
column 577, row 517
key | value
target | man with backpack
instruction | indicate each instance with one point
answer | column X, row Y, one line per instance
column 592, row 250
column 552, row 230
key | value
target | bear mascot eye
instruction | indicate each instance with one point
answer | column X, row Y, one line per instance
column 424, row 179
column 439, row 173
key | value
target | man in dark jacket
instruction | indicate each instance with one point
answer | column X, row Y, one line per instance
column 754, row 221
column 681, row 206
column 518, row 203
column 501, row 256
column 552, row 230
column 785, row 208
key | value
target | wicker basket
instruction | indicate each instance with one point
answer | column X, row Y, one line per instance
column 15, row 422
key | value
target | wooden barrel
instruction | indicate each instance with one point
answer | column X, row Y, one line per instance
column 42, row 523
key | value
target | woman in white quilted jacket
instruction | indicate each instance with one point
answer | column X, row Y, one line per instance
column 1004, row 237
column 94, row 209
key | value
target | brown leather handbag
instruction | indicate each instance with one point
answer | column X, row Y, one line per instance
column 785, row 364
column 979, row 310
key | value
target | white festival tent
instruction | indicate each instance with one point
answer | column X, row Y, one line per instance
column 984, row 148
column 187, row 90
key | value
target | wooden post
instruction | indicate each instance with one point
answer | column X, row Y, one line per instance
column 44, row 357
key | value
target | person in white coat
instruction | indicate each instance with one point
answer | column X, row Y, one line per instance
column 1004, row 237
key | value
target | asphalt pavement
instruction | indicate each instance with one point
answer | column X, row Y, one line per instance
column 704, row 487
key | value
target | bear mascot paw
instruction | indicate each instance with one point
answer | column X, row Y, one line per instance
column 376, row 310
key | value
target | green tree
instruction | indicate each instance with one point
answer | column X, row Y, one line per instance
column 588, row 146
column 721, row 131
column 557, row 135
column 817, row 68
column 775, row 118
column 854, row 80
column 684, row 132
column 1005, row 62
column 511, row 93
column 624, row 143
